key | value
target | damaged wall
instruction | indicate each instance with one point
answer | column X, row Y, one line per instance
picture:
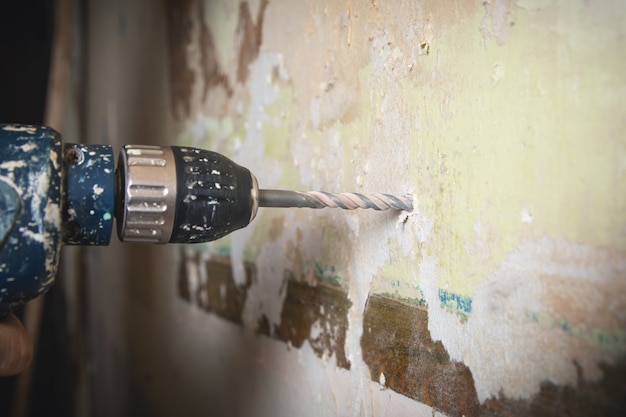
column 502, row 293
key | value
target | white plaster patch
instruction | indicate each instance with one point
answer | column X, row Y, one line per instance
column 478, row 229
column 420, row 227
column 534, row 319
column 250, row 153
column 192, row 277
column 498, row 73
column 526, row 216
column 498, row 12
column 316, row 330
column 239, row 238
column 267, row 293
column 315, row 112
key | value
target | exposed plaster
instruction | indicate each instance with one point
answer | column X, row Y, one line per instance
column 266, row 295
column 552, row 303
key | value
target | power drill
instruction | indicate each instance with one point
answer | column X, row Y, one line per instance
column 54, row 194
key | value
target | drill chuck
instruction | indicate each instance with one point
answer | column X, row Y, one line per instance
column 174, row 194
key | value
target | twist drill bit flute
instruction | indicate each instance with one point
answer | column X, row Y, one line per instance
column 321, row 199
column 54, row 194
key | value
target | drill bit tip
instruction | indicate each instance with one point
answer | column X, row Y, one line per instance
column 346, row 201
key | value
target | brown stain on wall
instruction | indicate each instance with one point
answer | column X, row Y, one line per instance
column 211, row 71
column 321, row 308
column 221, row 295
column 603, row 398
column 251, row 35
column 186, row 27
column 192, row 68
column 396, row 342
column 182, row 77
column 317, row 314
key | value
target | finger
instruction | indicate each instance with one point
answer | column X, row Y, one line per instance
column 16, row 348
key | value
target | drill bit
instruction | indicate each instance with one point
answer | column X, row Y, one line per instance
column 346, row 201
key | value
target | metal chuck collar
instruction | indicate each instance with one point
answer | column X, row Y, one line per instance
column 171, row 194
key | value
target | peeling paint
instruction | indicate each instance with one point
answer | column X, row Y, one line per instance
column 481, row 110
column 509, row 328
column 311, row 312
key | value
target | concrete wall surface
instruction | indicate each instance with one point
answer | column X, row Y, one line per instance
column 502, row 293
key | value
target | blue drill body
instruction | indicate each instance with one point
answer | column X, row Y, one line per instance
column 47, row 200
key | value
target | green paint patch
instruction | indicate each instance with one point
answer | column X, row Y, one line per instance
column 455, row 302
column 222, row 251
column 329, row 274
column 399, row 289
column 412, row 302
